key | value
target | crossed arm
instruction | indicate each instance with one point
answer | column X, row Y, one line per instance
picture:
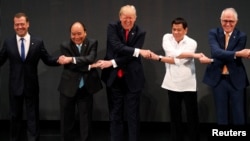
column 148, row 54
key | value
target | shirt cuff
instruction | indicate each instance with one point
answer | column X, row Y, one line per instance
column 177, row 61
column 74, row 60
column 113, row 63
column 136, row 52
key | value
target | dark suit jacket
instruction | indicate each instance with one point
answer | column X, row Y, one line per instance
column 72, row 73
column 23, row 75
column 122, row 52
column 223, row 57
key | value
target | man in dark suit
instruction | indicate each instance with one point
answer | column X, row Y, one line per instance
column 226, row 73
column 123, row 73
column 24, row 52
column 78, row 82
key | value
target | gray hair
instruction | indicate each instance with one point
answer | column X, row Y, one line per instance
column 230, row 9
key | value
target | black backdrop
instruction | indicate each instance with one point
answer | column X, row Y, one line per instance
column 50, row 19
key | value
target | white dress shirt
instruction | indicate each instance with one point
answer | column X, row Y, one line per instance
column 181, row 75
column 26, row 43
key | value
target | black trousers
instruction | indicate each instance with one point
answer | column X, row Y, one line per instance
column 31, row 103
column 175, row 103
column 120, row 99
column 83, row 102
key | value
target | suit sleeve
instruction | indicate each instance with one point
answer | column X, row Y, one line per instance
column 123, row 53
column 83, row 61
column 46, row 57
column 91, row 55
column 3, row 54
column 218, row 52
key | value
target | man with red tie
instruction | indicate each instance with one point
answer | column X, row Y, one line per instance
column 123, row 73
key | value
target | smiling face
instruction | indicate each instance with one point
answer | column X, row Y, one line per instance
column 179, row 28
column 21, row 26
column 228, row 20
column 127, row 16
column 78, row 33
column 178, row 32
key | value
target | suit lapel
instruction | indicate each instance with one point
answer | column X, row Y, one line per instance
column 15, row 46
column 122, row 33
column 31, row 48
column 232, row 42
column 132, row 34
column 222, row 38
column 84, row 50
column 74, row 48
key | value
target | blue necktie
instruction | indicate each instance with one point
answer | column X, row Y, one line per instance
column 22, row 50
column 81, row 81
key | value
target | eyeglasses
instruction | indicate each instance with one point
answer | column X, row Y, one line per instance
column 228, row 21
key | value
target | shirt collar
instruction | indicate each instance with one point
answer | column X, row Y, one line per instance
column 26, row 37
column 228, row 34
column 79, row 45
column 181, row 41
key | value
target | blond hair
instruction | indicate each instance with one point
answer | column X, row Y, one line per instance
column 126, row 8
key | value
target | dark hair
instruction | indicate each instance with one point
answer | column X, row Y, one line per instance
column 81, row 23
column 19, row 15
column 180, row 20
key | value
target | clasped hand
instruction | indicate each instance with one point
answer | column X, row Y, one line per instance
column 64, row 60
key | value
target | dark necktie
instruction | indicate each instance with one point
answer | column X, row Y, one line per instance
column 120, row 72
column 22, row 50
column 81, row 81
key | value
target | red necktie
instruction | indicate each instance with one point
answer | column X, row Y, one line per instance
column 120, row 72
column 126, row 35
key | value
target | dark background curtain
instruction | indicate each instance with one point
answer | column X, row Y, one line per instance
column 51, row 19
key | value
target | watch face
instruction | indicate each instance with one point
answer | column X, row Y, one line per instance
column 160, row 58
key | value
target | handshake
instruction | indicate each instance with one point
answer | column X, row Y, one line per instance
column 108, row 63
column 244, row 53
column 64, row 60
column 148, row 54
column 153, row 56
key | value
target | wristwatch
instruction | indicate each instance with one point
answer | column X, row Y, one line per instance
column 160, row 57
